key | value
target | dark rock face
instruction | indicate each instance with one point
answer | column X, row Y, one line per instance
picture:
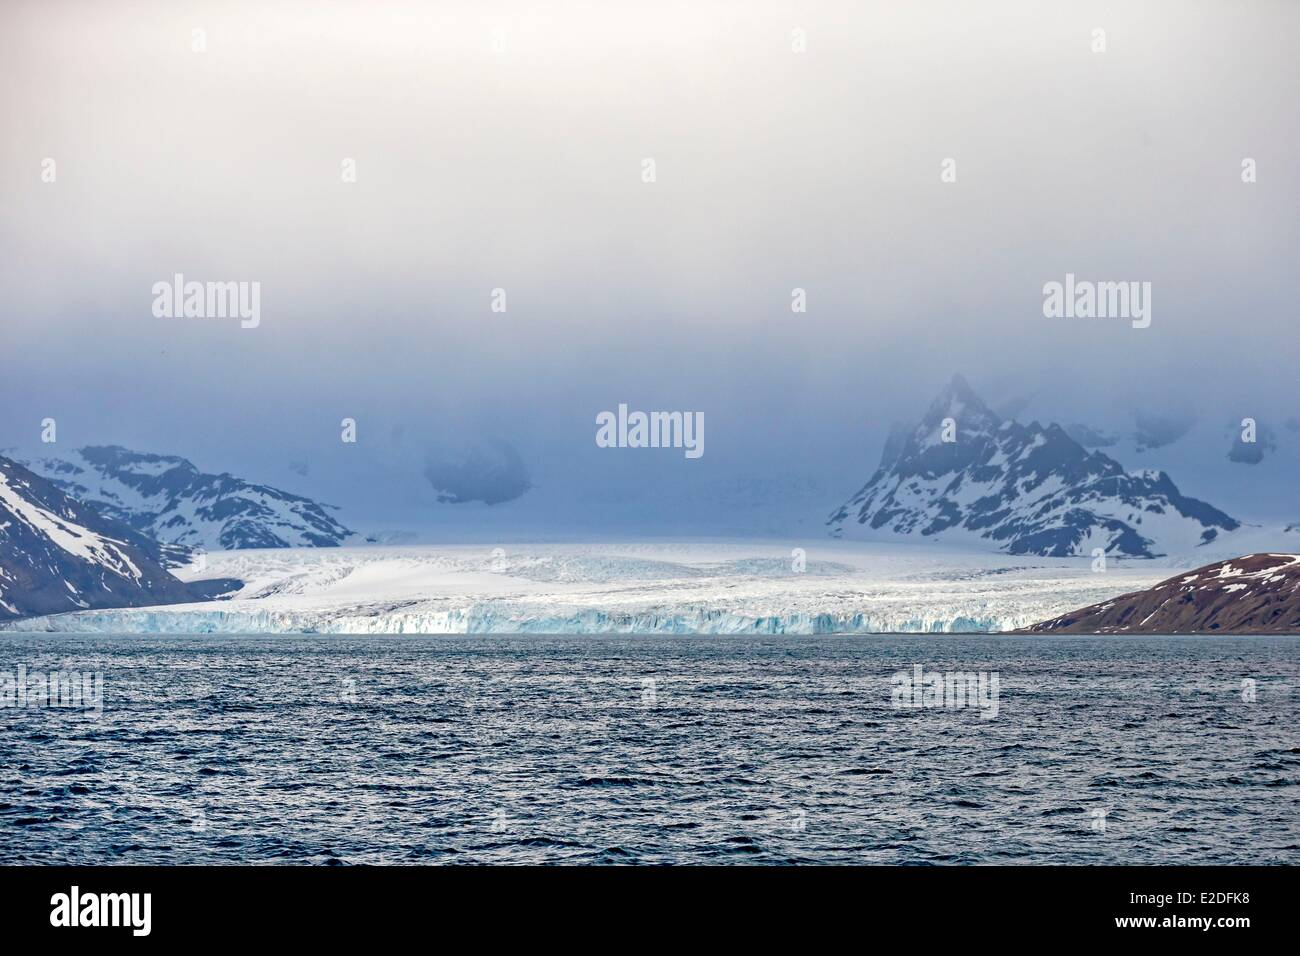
column 1156, row 431
column 57, row 554
column 1255, row 594
column 492, row 472
column 169, row 499
column 1252, row 452
column 1024, row 488
column 1246, row 453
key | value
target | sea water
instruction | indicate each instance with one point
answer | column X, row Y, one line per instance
column 339, row 750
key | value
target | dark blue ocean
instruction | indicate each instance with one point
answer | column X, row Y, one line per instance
column 339, row 750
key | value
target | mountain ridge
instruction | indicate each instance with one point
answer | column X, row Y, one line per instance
column 1025, row 488
column 57, row 554
column 168, row 498
column 1252, row 594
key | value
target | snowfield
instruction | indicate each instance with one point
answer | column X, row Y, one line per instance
column 635, row 588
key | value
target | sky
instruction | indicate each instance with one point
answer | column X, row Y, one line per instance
column 504, row 146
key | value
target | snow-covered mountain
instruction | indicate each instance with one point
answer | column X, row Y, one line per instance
column 169, row 499
column 1242, row 454
column 57, row 554
column 1255, row 480
column 964, row 472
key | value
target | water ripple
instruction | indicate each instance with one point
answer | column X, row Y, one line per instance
column 342, row 751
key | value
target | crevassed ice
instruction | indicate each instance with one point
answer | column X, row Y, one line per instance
column 633, row 588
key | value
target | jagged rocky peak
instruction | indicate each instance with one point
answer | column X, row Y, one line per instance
column 959, row 402
column 964, row 472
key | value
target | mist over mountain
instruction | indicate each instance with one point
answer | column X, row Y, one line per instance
column 966, row 472
column 377, row 294
column 1242, row 456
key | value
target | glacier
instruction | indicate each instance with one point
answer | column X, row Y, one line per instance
column 729, row 588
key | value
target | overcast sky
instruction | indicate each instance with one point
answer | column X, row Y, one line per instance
column 501, row 145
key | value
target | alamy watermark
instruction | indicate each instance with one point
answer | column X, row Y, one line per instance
column 954, row 690
column 179, row 299
column 1083, row 299
column 60, row 690
column 75, row 908
column 651, row 430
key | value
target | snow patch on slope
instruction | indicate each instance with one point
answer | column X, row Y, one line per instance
column 80, row 543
